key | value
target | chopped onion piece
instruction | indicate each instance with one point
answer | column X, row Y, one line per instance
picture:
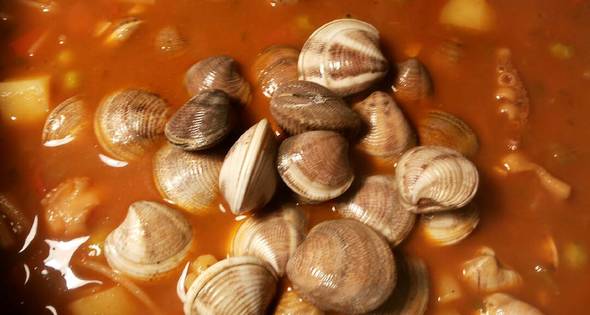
column 475, row 15
column 24, row 100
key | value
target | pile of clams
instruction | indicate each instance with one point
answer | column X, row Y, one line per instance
column 349, row 264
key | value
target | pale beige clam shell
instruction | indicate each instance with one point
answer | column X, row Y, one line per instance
column 188, row 180
column 432, row 179
column 235, row 285
column 450, row 227
column 315, row 165
column 153, row 240
column 130, row 122
column 388, row 133
column 376, row 203
column 485, row 273
column 343, row 266
column 248, row 176
column 504, row 304
column 344, row 56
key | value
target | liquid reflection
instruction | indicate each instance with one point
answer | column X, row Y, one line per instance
column 59, row 257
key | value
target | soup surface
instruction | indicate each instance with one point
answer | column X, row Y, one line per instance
column 533, row 231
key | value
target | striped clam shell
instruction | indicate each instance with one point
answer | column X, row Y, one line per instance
column 344, row 56
column 130, row 122
column 446, row 130
column 450, row 227
column 387, row 131
column 432, row 179
column 64, row 122
column 235, row 285
column 274, row 66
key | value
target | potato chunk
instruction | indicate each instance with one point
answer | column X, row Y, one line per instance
column 67, row 207
column 475, row 15
column 113, row 301
column 24, row 100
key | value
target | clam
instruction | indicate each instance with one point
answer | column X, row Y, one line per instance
column 432, row 179
column 271, row 237
column 202, row 122
column 218, row 73
column 168, row 39
column 413, row 82
column 376, row 203
column 388, row 133
column 274, row 66
column 130, row 122
column 450, row 227
column 344, row 56
column 300, row 106
column 248, row 177
column 315, row 165
column 504, row 304
column 291, row 304
column 152, row 241
column 343, row 266
column 236, row 285
column 123, row 31
column 411, row 294
column 64, row 121
column 485, row 273
column 186, row 179
column 445, row 130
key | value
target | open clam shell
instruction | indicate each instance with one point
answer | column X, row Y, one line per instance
column 202, row 122
column 130, row 122
column 218, row 73
column 64, row 121
column 187, row 179
column 343, row 266
column 152, row 240
column 485, row 273
column 315, row 165
column 376, row 203
column 432, row 179
column 450, row 227
column 276, row 65
column 388, row 133
column 344, row 56
column 300, row 106
column 272, row 237
column 248, row 177
column 236, row 285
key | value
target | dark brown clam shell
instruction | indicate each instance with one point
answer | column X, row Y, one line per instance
column 202, row 122
column 446, row 130
column 300, row 106
column 413, row 82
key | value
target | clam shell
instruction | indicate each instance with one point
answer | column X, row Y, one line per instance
column 413, row 82
column 443, row 129
column 186, row 179
column 202, row 122
column 343, row 266
column 276, row 65
column 315, row 165
column 485, row 273
column 152, row 240
column 271, row 237
column 432, row 179
column 248, row 177
column 300, row 106
column 291, row 304
column 130, row 122
column 236, row 285
column 344, row 56
column 450, row 227
column 388, row 132
column 64, row 121
column 169, row 40
column 123, row 31
column 411, row 294
column 376, row 203
column 218, row 73
column 504, row 304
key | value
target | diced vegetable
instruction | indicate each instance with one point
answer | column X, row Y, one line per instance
column 24, row 100
column 113, row 301
column 561, row 51
column 65, row 57
column 575, row 255
column 470, row 14
column 71, row 80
